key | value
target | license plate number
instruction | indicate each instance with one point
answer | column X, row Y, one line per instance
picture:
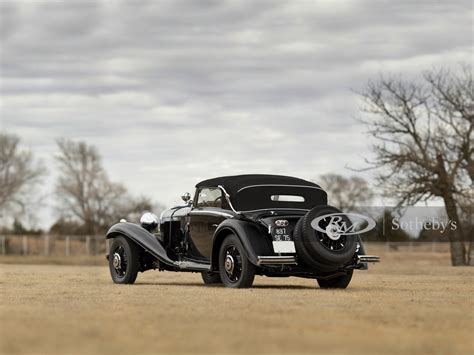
column 281, row 234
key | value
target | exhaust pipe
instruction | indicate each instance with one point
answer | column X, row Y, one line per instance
column 368, row 258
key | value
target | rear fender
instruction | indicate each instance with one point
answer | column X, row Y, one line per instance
column 142, row 237
column 251, row 236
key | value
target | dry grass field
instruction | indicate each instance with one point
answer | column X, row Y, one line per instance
column 410, row 303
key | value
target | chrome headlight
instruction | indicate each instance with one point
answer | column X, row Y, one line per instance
column 149, row 221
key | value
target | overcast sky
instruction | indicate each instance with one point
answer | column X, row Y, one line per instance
column 172, row 92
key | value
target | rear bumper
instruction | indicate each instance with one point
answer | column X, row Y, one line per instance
column 291, row 260
column 276, row 260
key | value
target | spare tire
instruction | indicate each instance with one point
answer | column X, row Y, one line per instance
column 323, row 251
column 303, row 255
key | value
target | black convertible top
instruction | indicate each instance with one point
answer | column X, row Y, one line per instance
column 232, row 184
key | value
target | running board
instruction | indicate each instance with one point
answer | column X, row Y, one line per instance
column 276, row 260
column 190, row 265
column 368, row 258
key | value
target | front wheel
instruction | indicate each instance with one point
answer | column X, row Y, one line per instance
column 336, row 282
column 123, row 261
column 235, row 269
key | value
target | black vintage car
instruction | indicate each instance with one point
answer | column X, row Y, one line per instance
column 237, row 227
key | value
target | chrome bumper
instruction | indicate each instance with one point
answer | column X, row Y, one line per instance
column 291, row 260
column 276, row 260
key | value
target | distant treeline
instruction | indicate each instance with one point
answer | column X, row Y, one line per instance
column 87, row 201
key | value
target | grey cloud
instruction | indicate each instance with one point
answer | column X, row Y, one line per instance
column 175, row 91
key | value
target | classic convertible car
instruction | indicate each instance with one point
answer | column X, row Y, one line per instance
column 237, row 227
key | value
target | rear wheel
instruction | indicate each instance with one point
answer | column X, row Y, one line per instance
column 123, row 261
column 336, row 282
column 211, row 278
column 235, row 269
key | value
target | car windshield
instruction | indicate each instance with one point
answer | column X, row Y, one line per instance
column 209, row 197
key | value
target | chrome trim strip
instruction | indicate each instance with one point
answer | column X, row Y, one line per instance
column 279, row 209
column 192, row 265
column 306, row 186
column 276, row 260
column 210, row 213
column 227, row 197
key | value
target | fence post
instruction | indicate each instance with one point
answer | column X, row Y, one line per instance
column 68, row 247
column 46, row 245
column 3, row 242
column 25, row 245
column 88, row 245
column 107, row 246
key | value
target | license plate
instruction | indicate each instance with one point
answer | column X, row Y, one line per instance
column 281, row 234
column 282, row 242
column 284, row 247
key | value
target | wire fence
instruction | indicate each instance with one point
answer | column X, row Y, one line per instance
column 407, row 247
column 70, row 245
column 53, row 245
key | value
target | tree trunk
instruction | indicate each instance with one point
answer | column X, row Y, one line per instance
column 470, row 255
column 458, row 249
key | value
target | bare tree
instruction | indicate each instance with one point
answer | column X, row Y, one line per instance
column 136, row 206
column 84, row 187
column 346, row 193
column 423, row 133
column 87, row 194
column 19, row 173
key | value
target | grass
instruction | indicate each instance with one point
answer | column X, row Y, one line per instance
column 409, row 303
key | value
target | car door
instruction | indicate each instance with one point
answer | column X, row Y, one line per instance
column 206, row 215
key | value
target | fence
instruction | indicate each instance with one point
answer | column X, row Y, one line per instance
column 68, row 245
column 407, row 247
column 53, row 245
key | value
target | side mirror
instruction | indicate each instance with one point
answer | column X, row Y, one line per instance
column 186, row 197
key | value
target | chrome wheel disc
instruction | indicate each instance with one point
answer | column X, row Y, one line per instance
column 233, row 264
column 332, row 230
column 333, row 239
column 119, row 261
column 229, row 264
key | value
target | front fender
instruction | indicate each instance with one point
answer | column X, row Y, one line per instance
column 142, row 237
column 252, row 236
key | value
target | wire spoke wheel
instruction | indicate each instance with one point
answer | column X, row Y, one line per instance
column 333, row 239
column 123, row 261
column 233, row 264
column 235, row 269
column 326, row 246
column 120, row 261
